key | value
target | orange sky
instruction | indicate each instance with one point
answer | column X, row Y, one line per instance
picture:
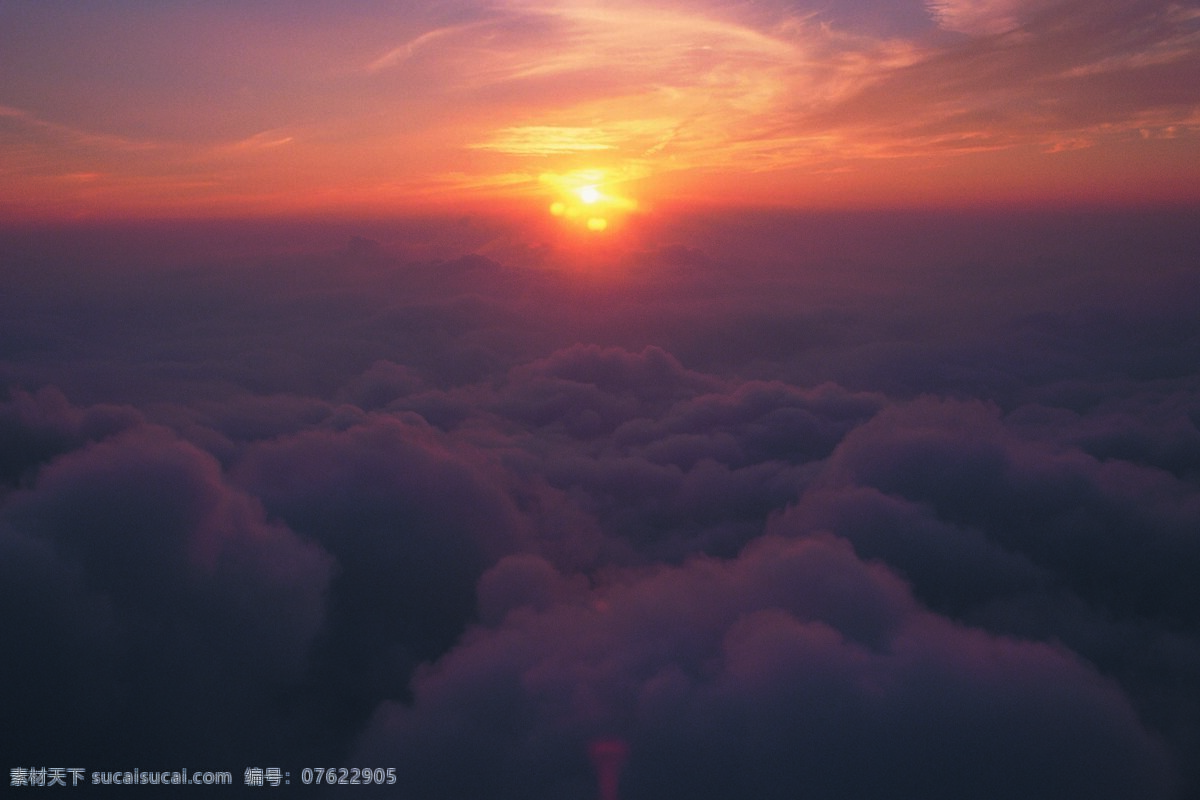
column 139, row 108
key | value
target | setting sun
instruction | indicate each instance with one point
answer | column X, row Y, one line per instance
column 587, row 197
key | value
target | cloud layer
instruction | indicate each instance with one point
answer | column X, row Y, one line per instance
column 776, row 505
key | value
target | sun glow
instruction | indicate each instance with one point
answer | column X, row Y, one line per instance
column 587, row 198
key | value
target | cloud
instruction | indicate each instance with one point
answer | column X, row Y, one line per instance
column 786, row 503
column 1070, row 75
column 770, row 89
column 789, row 668
column 546, row 140
column 1074, row 516
column 977, row 17
column 1023, row 537
column 161, row 586
column 392, row 104
column 412, row 526
column 398, row 55
column 36, row 427
column 30, row 123
column 598, row 386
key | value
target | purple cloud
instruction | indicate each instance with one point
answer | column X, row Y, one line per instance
column 794, row 668
column 857, row 505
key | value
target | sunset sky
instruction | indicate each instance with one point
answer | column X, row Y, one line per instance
column 217, row 109
column 758, row 400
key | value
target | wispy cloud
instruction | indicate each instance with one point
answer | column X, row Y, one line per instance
column 542, row 140
column 707, row 86
column 263, row 140
column 72, row 134
column 977, row 17
column 710, row 86
column 398, row 55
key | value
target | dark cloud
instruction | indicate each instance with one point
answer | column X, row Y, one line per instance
column 36, row 427
column 1116, row 533
column 775, row 504
column 411, row 525
column 1027, row 537
column 384, row 382
column 591, row 390
column 152, row 591
column 795, row 667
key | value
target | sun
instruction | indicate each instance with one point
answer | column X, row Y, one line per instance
column 587, row 198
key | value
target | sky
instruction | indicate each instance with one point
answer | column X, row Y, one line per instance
column 132, row 108
column 603, row 402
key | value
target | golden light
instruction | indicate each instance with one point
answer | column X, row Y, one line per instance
column 587, row 198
